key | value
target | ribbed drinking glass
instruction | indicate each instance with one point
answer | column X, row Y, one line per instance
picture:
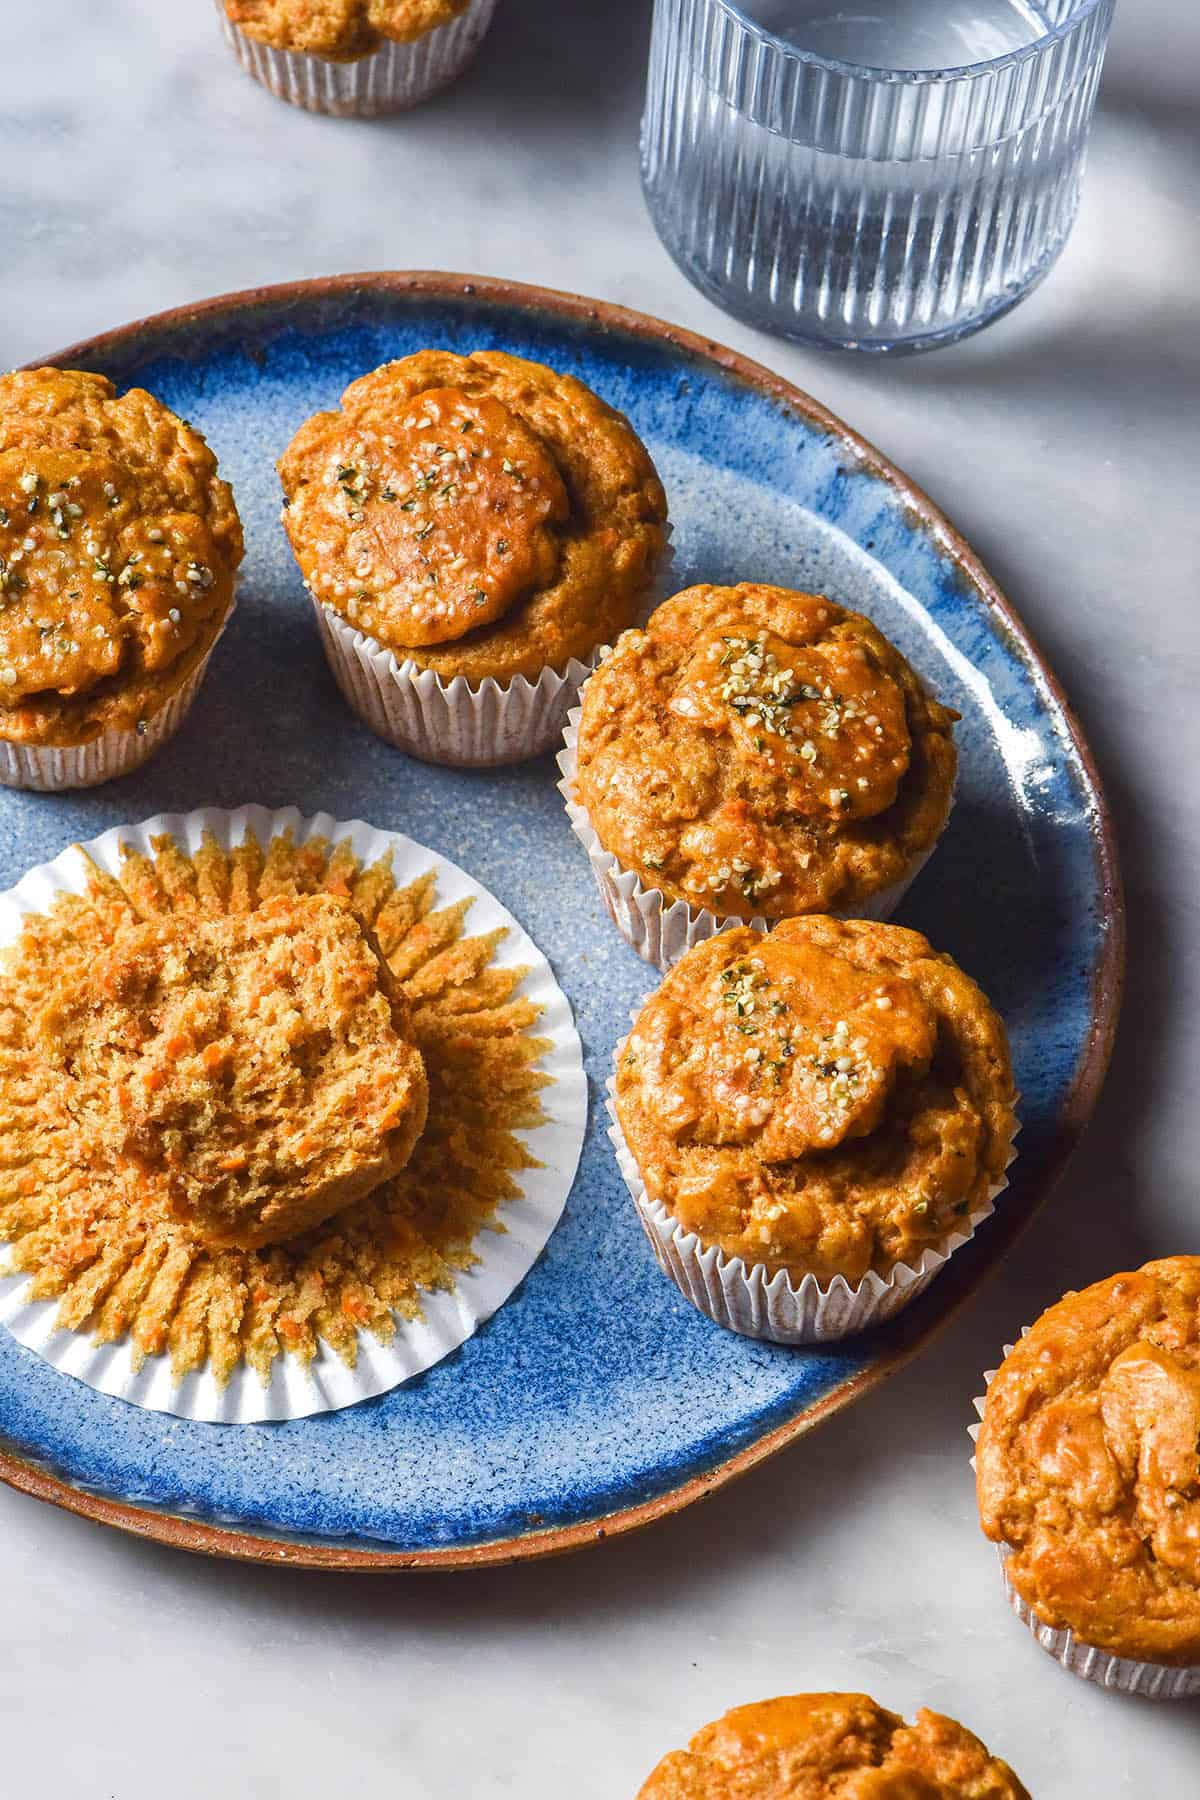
column 869, row 208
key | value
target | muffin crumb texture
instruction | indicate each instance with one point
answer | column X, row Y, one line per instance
column 295, row 989
column 118, row 549
column 478, row 515
column 1088, row 1464
column 761, row 752
column 828, row 1099
column 340, row 30
column 831, row 1747
column 256, row 1065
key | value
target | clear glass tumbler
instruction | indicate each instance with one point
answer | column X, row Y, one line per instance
column 877, row 209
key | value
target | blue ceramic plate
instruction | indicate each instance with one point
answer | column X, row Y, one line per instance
column 576, row 1412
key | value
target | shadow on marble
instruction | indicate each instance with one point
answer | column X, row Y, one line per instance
column 535, row 73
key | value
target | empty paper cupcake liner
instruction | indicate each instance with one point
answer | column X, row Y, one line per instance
column 1123, row 1674
column 758, row 1304
column 447, row 1318
column 449, row 721
column 52, row 769
column 662, row 930
column 391, row 79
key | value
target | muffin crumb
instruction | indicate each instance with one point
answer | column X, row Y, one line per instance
column 256, row 1065
column 107, row 1244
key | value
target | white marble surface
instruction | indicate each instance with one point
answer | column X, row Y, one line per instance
column 140, row 170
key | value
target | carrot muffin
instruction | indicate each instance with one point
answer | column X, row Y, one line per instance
column 477, row 516
column 818, row 1746
column 1088, row 1463
column 239, row 997
column 341, row 30
column 757, row 752
column 355, row 56
column 118, row 550
column 832, row 1099
column 257, row 1065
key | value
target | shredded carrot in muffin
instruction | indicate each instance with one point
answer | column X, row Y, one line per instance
column 100, row 1236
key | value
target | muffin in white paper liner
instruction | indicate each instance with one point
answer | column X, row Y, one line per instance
column 391, row 79
column 452, row 722
column 662, row 930
column 449, row 721
column 759, row 1304
column 505, row 1257
column 1123, row 1674
column 55, row 769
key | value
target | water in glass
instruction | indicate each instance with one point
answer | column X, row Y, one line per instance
column 844, row 207
column 904, row 34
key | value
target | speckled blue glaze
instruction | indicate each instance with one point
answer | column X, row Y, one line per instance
column 596, row 1386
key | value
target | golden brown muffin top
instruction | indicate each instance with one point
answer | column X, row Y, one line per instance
column 481, row 515
column 829, row 1098
column 340, row 30
column 118, row 547
column 831, row 1747
column 762, row 752
column 258, row 1066
column 1089, row 1463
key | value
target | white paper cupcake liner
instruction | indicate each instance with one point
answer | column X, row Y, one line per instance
column 505, row 1257
column 758, row 1304
column 57, row 769
column 452, row 722
column 391, row 79
column 449, row 721
column 662, row 930
column 1123, row 1674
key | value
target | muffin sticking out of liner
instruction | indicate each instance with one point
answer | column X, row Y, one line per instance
column 1088, row 1471
column 471, row 529
column 754, row 753
column 118, row 549
column 811, row 1121
column 818, row 1746
column 355, row 58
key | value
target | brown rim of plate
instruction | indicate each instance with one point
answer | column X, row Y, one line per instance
column 963, row 1274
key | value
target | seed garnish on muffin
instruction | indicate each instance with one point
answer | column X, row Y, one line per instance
column 118, row 549
column 822, row 1746
column 463, row 506
column 1088, row 1467
column 828, row 1099
column 474, row 520
column 758, row 752
column 481, row 515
